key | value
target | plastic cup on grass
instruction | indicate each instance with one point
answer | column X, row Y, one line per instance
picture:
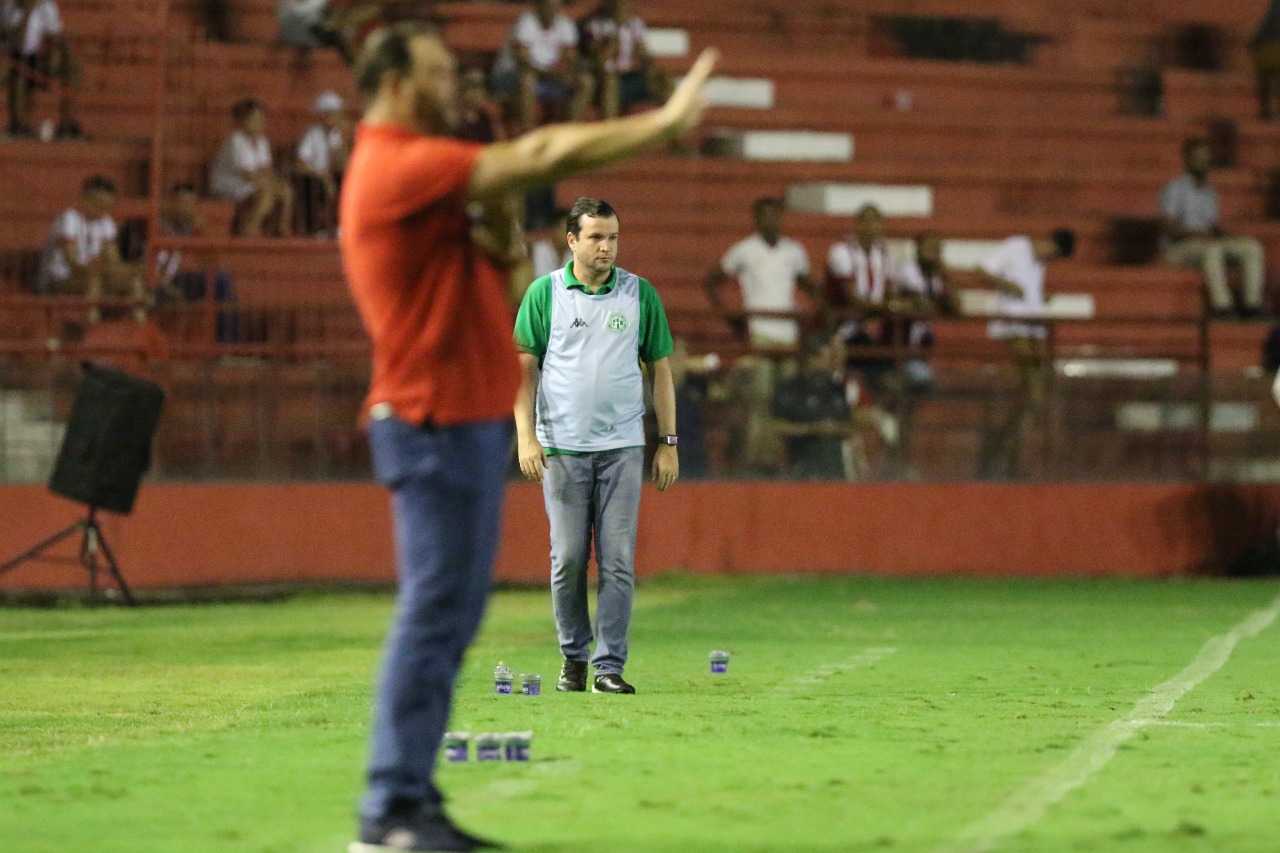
column 502, row 678
column 456, row 746
column 517, row 745
column 488, row 747
column 719, row 662
column 531, row 684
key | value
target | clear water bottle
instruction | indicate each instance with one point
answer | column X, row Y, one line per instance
column 531, row 684
column 502, row 678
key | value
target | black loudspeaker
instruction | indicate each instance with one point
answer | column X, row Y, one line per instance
column 107, row 447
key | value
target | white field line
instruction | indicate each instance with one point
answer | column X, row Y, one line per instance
column 1030, row 804
column 811, row 677
column 1182, row 724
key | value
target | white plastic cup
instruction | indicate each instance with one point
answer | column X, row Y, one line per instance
column 517, row 745
column 456, row 746
column 489, row 747
column 502, row 678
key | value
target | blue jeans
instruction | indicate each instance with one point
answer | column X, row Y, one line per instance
column 447, row 487
column 594, row 496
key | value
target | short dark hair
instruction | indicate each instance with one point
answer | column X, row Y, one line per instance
column 1064, row 240
column 98, row 183
column 587, row 207
column 245, row 106
column 767, row 201
column 387, row 49
column 1193, row 142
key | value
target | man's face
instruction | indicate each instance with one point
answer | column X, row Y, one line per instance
column 98, row 203
column 596, row 246
column 869, row 226
column 433, row 85
column 929, row 249
column 1198, row 160
column 823, row 361
column 255, row 122
column 769, row 221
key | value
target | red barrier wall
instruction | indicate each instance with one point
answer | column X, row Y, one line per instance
column 212, row 534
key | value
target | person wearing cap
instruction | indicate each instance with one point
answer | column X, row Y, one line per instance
column 1016, row 271
column 322, row 158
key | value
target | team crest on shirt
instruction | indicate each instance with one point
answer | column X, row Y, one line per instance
column 615, row 322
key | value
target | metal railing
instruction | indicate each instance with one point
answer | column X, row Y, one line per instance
column 274, row 392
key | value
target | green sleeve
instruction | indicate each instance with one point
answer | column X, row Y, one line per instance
column 533, row 322
column 655, row 335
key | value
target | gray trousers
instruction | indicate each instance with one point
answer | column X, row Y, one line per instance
column 595, row 496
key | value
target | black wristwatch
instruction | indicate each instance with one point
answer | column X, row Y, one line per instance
column 669, row 440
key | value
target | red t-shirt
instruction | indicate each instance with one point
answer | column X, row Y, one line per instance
column 434, row 305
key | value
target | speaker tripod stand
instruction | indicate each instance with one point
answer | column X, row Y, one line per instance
column 94, row 554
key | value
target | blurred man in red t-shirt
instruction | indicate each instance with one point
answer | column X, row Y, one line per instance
column 427, row 278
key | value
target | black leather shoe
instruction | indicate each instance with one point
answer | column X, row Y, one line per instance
column 573, row 677
column 611, row 682
column 417, row 833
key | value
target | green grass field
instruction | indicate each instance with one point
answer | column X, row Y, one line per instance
column 859, row 714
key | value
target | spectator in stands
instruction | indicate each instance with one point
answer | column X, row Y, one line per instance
column 1192, row 235
column 478, row 117
column 921, row 288
column 691, row 375
column 243, row 173
column 178, row 278
column 344, row 24
column 539, row 65
column 860, row 281
column 1016, row 271
column 81, row 257
column 552, row 252
column 625, row 74
column 298, row 20
column 768, row 267
column 811, row 412
column 37, row 47
column 321, row 160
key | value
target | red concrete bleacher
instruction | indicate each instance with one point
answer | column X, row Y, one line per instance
column 1005, row 149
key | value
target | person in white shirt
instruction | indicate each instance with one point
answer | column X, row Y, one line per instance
column 1192, row 236
column 538, row 64
column 1016, row 271
column 321, row 159
column 860, row 282
column 614, row 38
column 81, row 257
column 552, row 251
column 768, row 267
column 243, row 172
column 37, row 46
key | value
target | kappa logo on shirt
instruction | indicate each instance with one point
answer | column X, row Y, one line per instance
column 579, row 323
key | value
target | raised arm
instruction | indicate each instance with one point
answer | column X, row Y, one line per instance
column 555, row 152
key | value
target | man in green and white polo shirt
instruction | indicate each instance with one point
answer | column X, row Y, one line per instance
column 585, row 329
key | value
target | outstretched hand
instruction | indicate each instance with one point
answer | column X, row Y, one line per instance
column 683, row 110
